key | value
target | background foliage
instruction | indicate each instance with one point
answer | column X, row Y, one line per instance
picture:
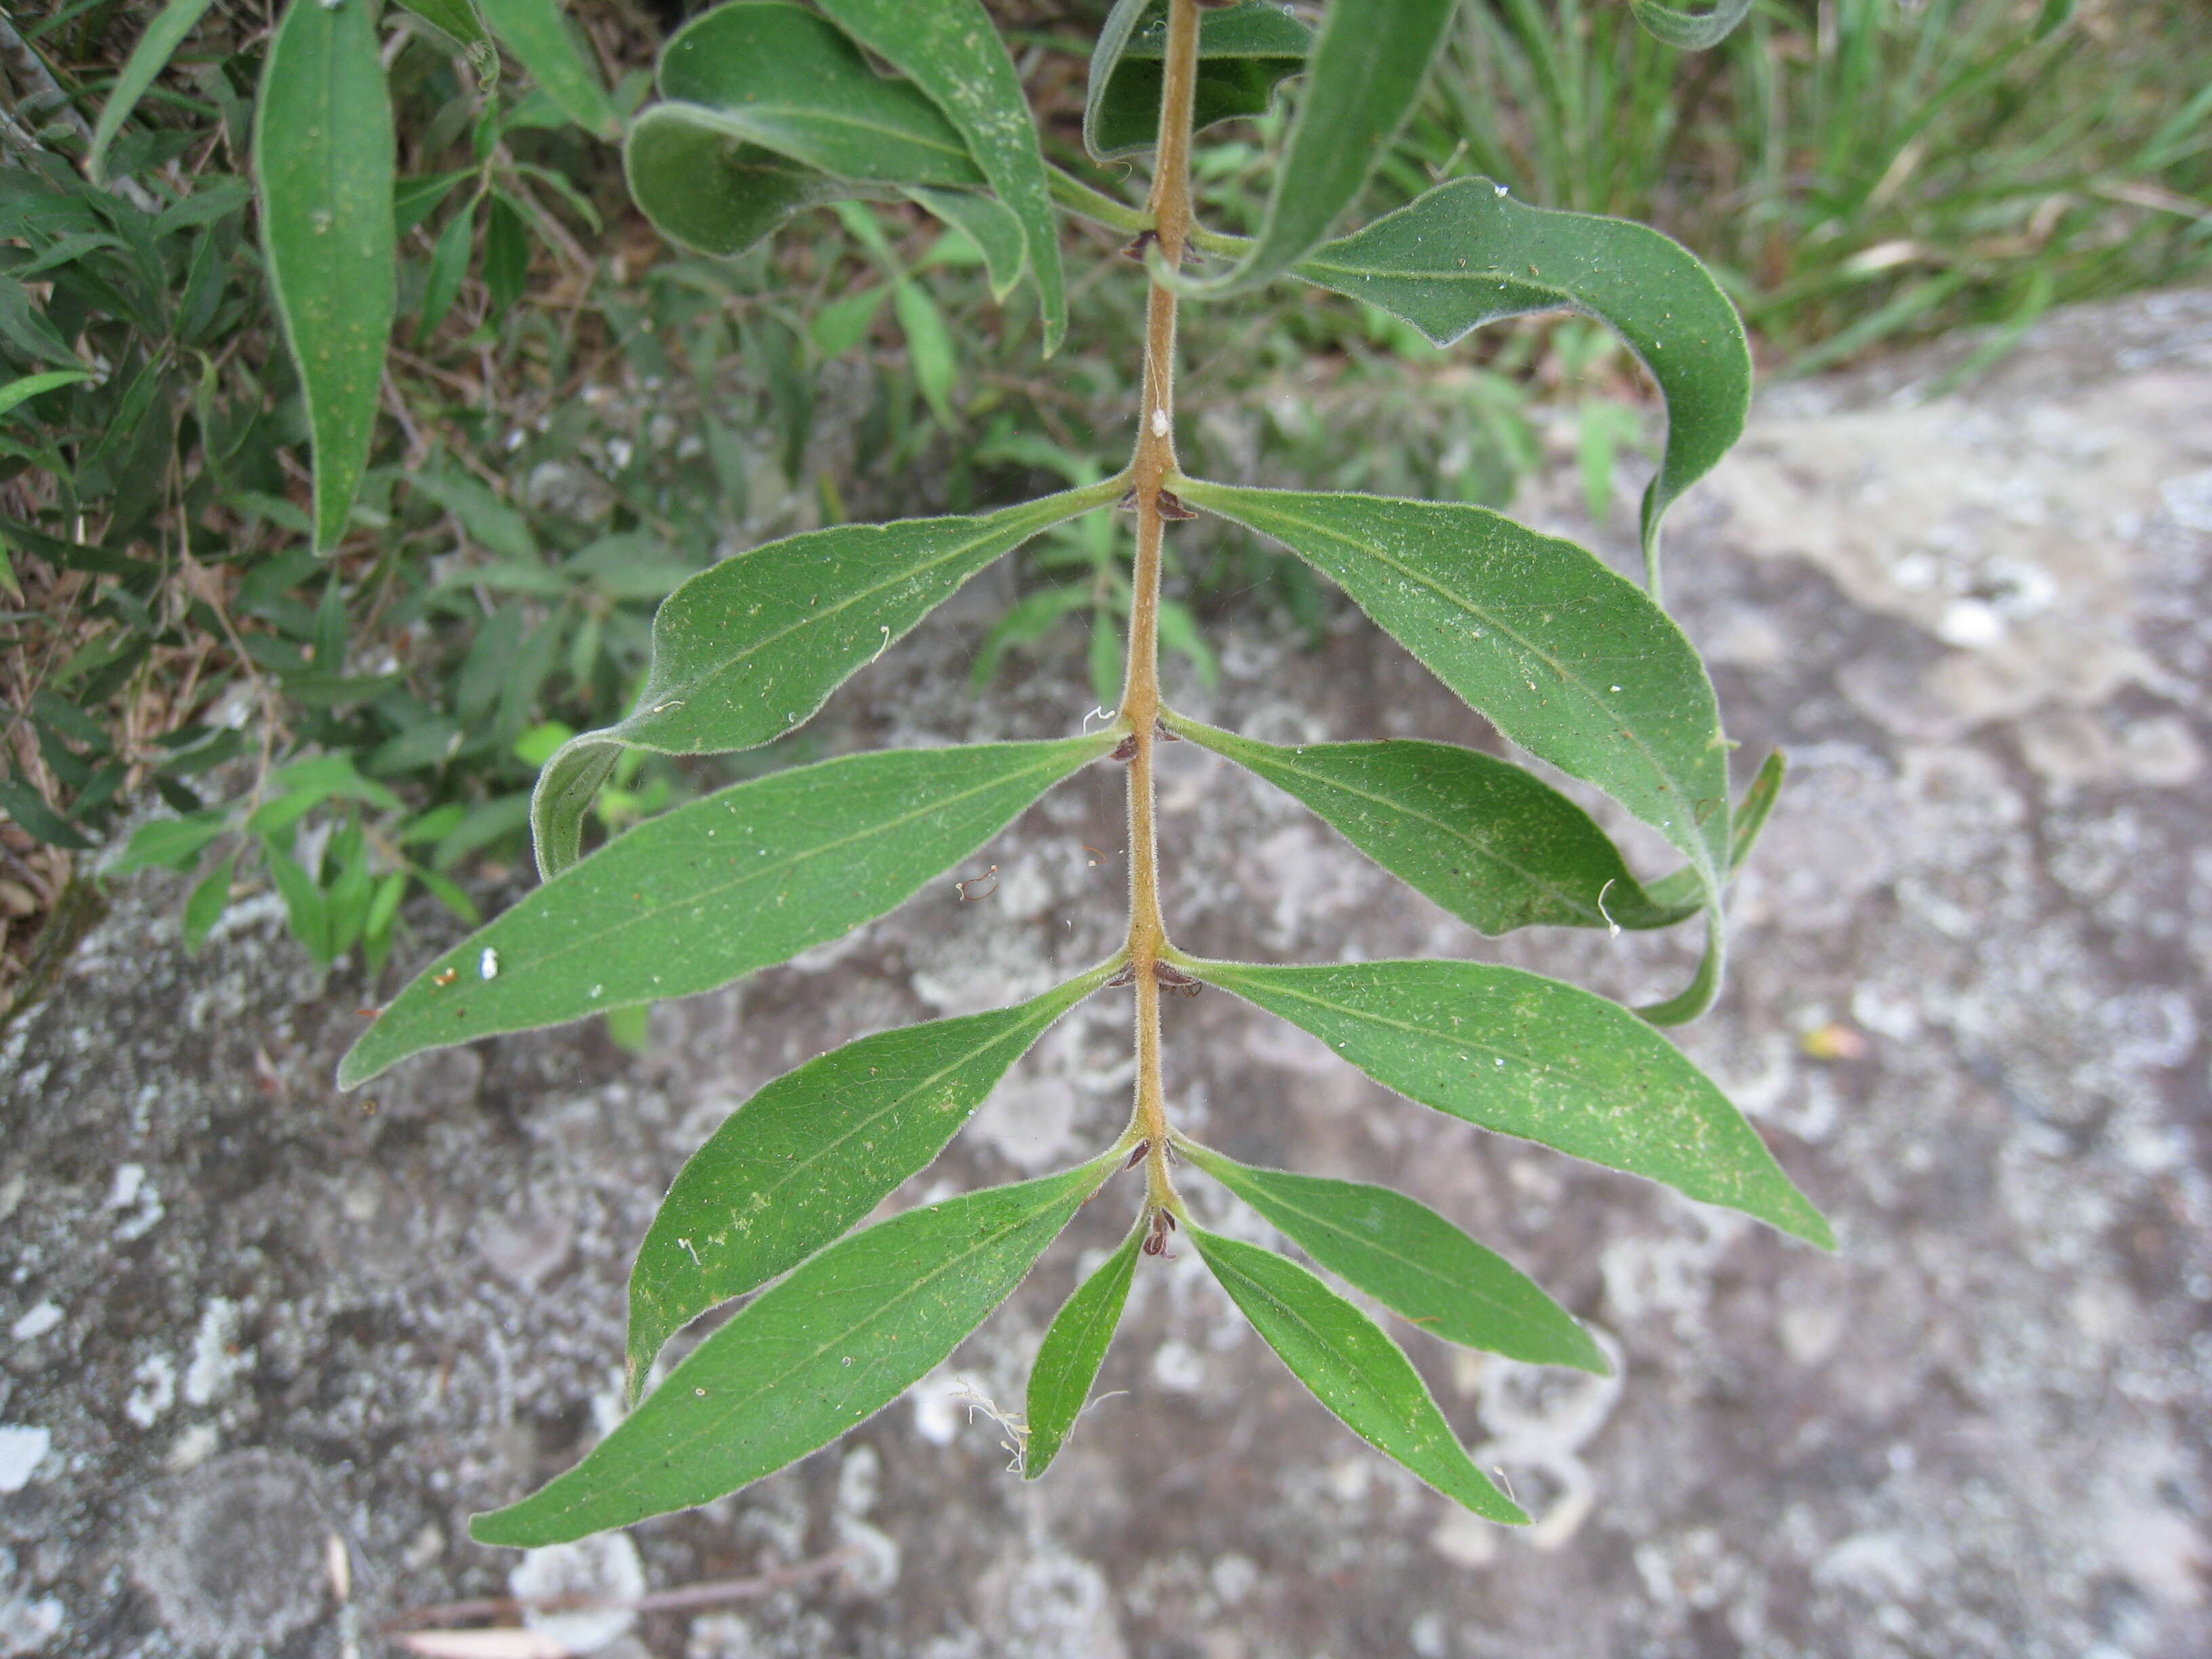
column 575, row 415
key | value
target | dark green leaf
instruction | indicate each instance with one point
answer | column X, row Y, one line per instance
column 745, row 878
column 1073, row 1349
column 1492, row 843
column 1244, row 52
column 147, row 59
column 991, row 227
column 1413, row 1261
column 704, row 190
column 36, row 819
column 1466, row 253
column 507, row 254
column 449, row 264
column 1572, row 662
column 1531, row 1057
column 25, row 327
column 323, row 153
column 748, row 648
column 534, row 31
column 782, row 77
column 838, row 1340
column 1353, row 1368
column 953, row 51
column 1362, row 78
column 1690, row 31
column 813, row 1152
column 456, row 18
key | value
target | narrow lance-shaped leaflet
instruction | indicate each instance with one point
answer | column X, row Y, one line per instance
column 1490, row 841
column 1690, row 31
column 1466, row 253
column 1353, row 1368
column 953, row 52
column 750, row 648
column 1412, row 1261
column 813, row 1152
column 815, row 1355
column 1068, row 1359
column 748, row 877
column 1571, row 661
column 324, row 158
column 1532, row 1057
column 535, row 32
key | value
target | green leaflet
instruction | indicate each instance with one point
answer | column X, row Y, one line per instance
column 1574, row 662
column 774, row 110
column 1690, row 31
column 746, row 878
column 783, row 77
column 1244, row 52
column 1532, row 1057
column 1466, row 253
column 1353, row 1368
column 1488, row 840
column 705, row 190
column 813, row 1152
column 1362, row 77
column 1412, row 1261
column 32, row 386
column 840, row 1338
column 323, row 155
column 985, row 221
column 534, row 31
column 748, row 649
column 1067, row 1361
column 953, row 52
column 147, row 59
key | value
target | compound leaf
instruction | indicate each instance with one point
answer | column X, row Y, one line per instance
column 748, row 648
column 838, row 1340
column 813, row 1152
column 1412, row 1261
column 1466, row 253
column 1353, row 1368
column 147, row 59
column 1244, row 52
column 1068, row 1360
column 1691, row 31
column 323, row 157
column 1574, row 662
column 535, row 32
column 953, row 52
column 1488, row 840
column 743, row 878
column 1529, row 1056
column 1362, row 76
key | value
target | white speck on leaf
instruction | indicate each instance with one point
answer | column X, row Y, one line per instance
column 488, row 963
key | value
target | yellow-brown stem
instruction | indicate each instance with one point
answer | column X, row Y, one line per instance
column 1153, row 464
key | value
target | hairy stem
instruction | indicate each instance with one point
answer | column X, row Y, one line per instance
column 1153, row 464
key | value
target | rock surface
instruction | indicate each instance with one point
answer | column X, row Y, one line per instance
column 267, row 1346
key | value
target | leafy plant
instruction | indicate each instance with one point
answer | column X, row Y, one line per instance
column 1578, row 666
